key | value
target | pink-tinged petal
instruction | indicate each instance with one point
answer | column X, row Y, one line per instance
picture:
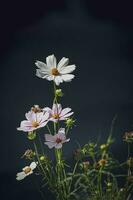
column 63, row 62
column 31, row 116
column 26, row 129
column 51, row 61
column 68, row 115
column 25, row 124
column 68, row 69
column 56, row 108
column 42, row 124
column 49, row 110
column 62, row 136
column 46, row 116
column 67, row 140
column 59, row 108
column 67, row 77
column 53, row 120
column 33, row 165
column 61, row 130
column 62, row 118
column 49, row 138
column 50, row 144
column 42, row 117
column 58, row 146
column 58, row 80
column 65, row 111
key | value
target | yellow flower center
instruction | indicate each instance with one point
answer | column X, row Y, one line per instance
column 54, row 71
column 56, row 116
column 27, row 170
column 35, row 124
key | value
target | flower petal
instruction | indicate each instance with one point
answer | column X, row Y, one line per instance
column 58, row 146
column 42, row 124
column 42, row 117
column 58, row 80
column 50, row 144
column 51, row 61
column 68, row 115
column 20, row 176
column 30, row 116
column 56, row 109
column 61, row 135
column 67, row 77
column 25, row 126
column 41, row 65
column 49, row 138
column 47, row 109
column 68, row 69
column 63, row 62
column 65, row 111
column 40, row 74
column 67, row 140
column 33, row 165
column 61, row 130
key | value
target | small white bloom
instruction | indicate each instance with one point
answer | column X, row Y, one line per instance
column 53, row 71
column 26, row 171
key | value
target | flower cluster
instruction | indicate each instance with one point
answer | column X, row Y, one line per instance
column 38, row 118
column 93, row 174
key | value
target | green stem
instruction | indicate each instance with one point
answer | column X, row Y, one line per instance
column 74, row 170
column 48, row 129
column 42, row 148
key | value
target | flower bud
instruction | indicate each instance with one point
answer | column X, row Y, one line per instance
column 69, row 122
column 31, row 135
column 103, row 146
column 59, row 93
column 42, row 158
column 109, row 184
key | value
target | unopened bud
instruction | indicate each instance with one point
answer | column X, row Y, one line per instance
column 69, row 122
column 42, row 158
column 31, row 135
column 59, row 93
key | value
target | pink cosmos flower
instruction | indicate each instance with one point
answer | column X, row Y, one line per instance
column 56, row 140
column 57, row 113
column 34, row 121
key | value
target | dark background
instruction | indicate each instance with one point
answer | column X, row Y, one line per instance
column 97, row 36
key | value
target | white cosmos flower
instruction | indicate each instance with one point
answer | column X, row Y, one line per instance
column 53, row 71
column 26, row 171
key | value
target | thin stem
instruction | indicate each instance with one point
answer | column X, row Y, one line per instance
column 42, row 148
column 48, row 129
column 38, row 159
